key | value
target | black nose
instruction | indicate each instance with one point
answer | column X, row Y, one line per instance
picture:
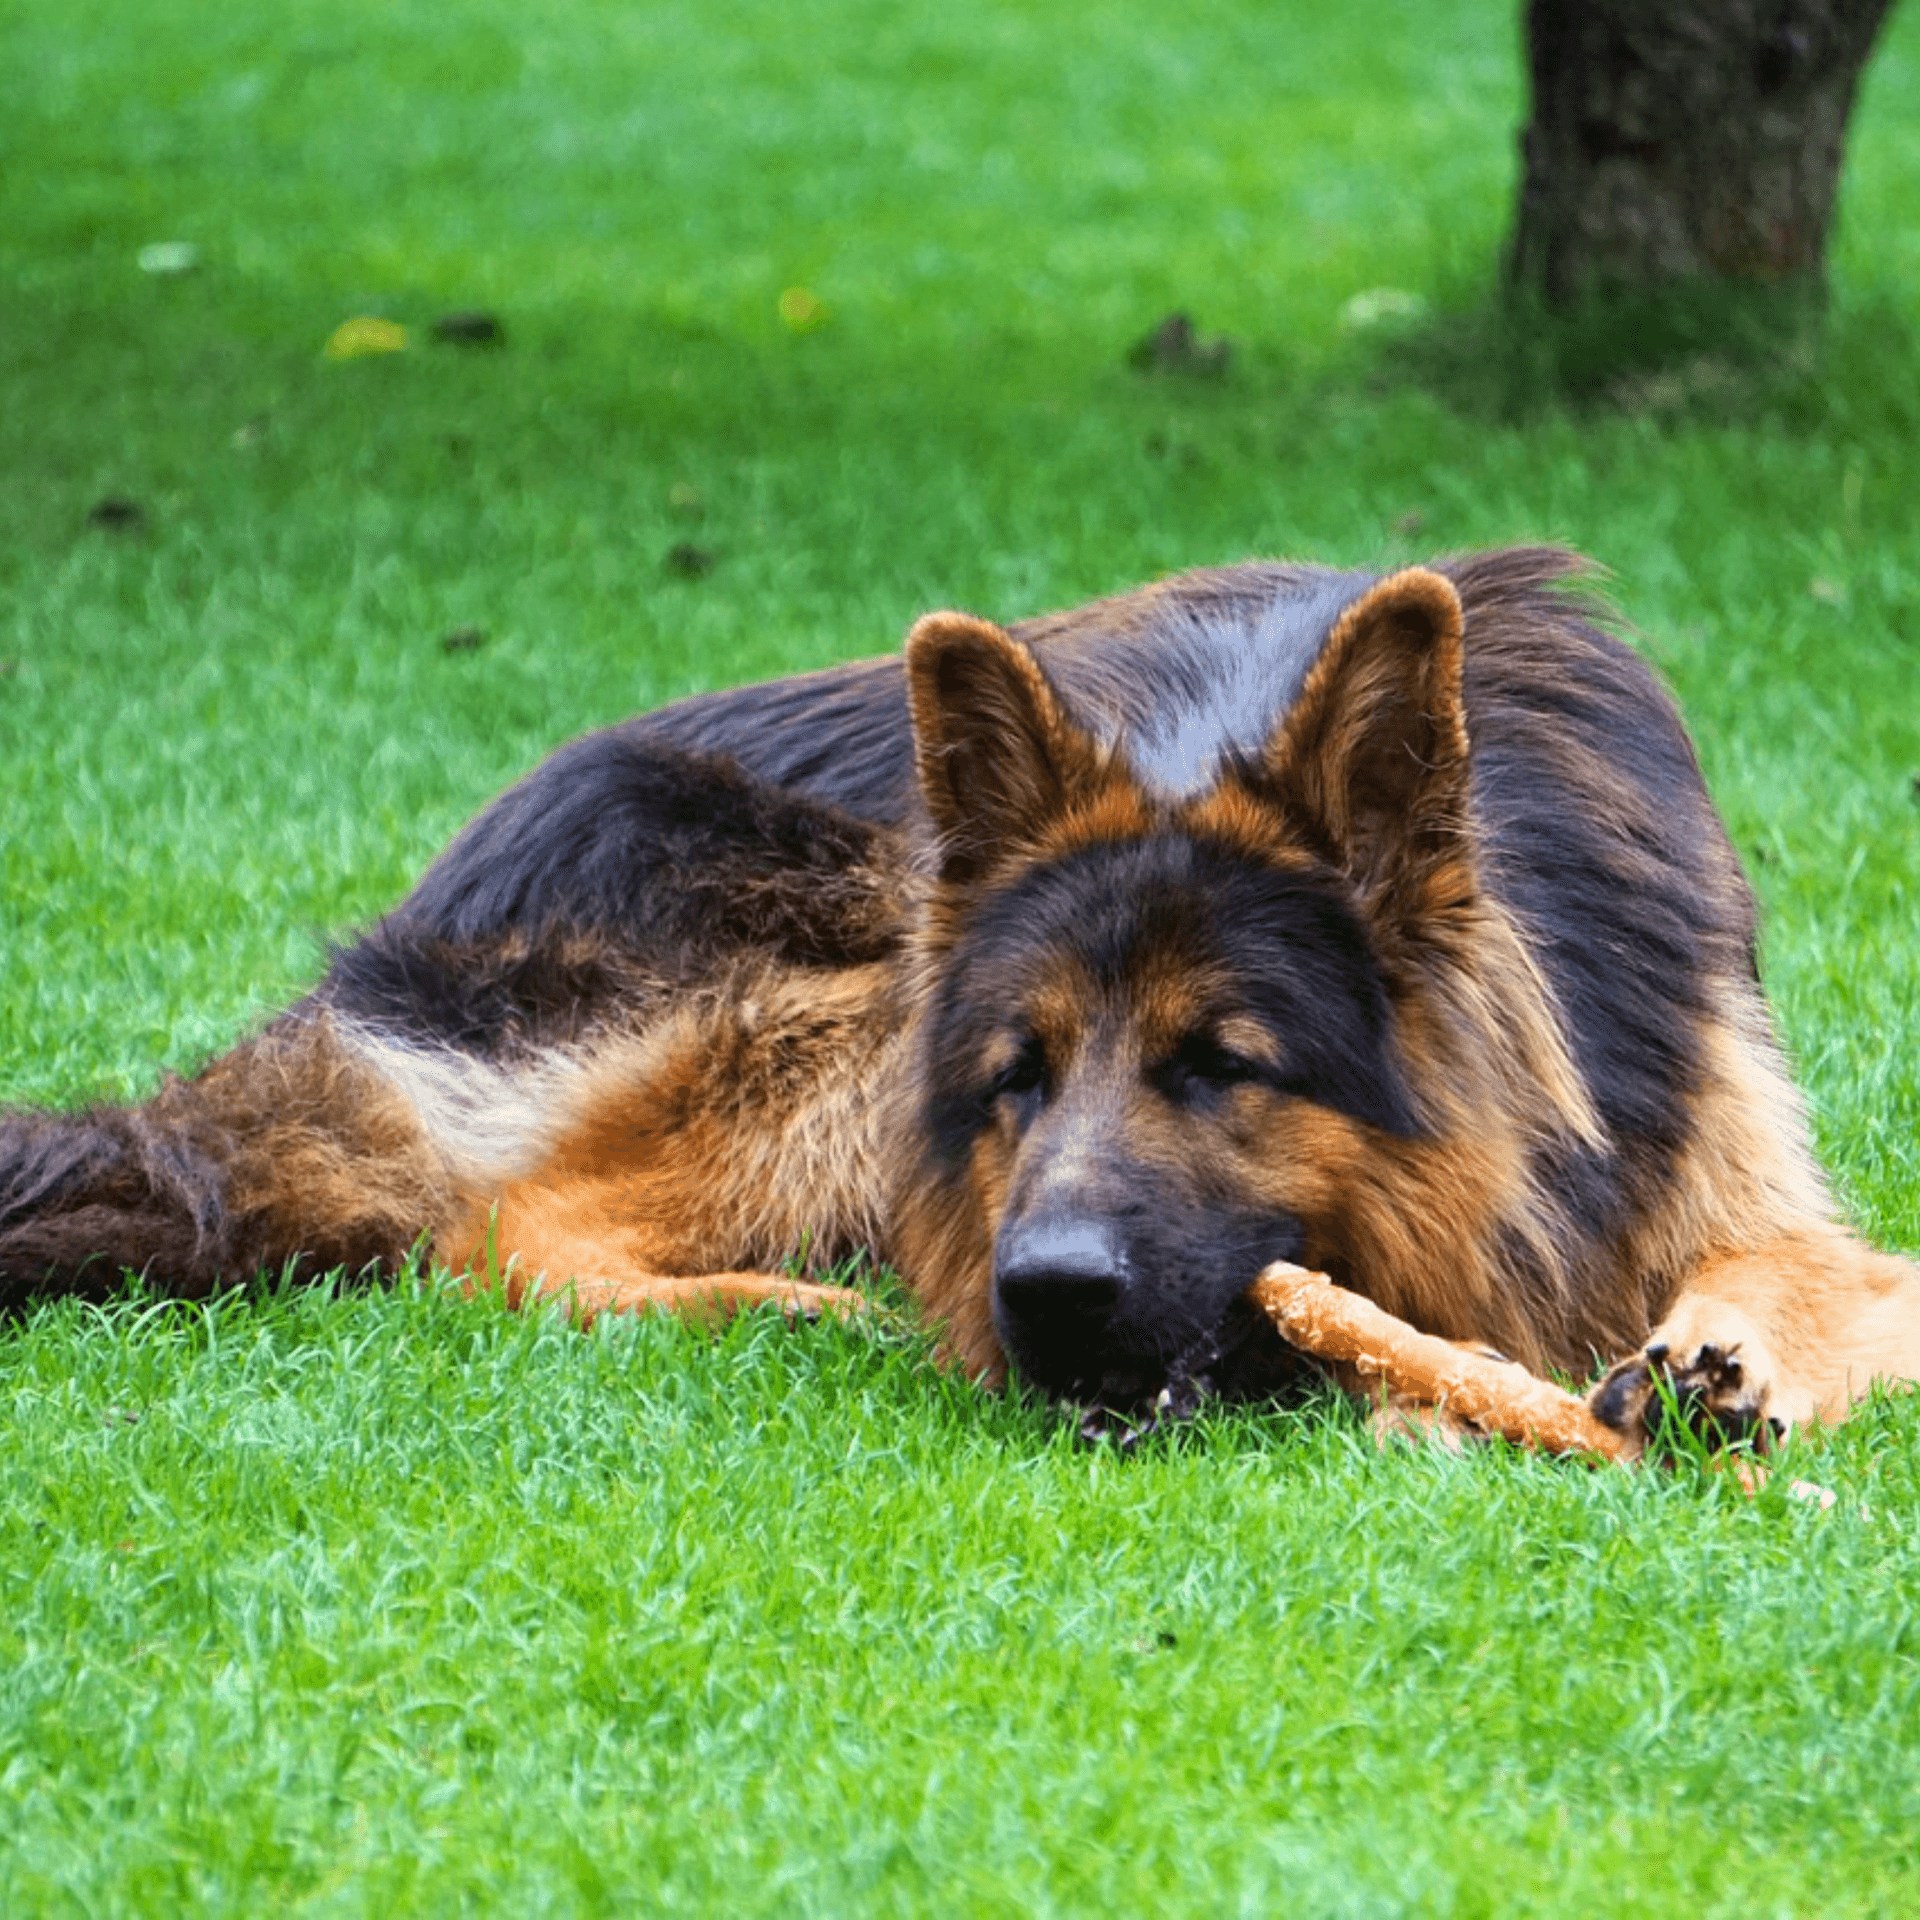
column 1058, row 1282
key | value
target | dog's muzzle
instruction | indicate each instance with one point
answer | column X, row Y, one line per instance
column 1068, row 1311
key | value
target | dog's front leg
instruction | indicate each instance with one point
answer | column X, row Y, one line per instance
column 1763, row 1339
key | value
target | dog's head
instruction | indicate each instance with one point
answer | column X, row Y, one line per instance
column 1164, row 1037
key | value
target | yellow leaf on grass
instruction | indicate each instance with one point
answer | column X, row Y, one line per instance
column 365, row 334
column 802, row 311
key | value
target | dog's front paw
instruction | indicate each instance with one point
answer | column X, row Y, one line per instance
column 1710, row 1391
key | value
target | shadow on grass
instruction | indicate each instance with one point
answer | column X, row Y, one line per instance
column 1704, row 353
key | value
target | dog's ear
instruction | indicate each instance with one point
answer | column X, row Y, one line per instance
column 1373, row 751
column 996, row 754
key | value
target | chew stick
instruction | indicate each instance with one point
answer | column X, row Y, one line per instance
column 1498, row 1395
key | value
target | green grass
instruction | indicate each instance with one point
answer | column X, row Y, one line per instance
column 413, row 1602
column 392, row 1601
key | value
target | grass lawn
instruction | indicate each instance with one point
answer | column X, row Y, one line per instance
column 395, row 1602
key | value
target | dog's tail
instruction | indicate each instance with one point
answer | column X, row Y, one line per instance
column 290, row 1153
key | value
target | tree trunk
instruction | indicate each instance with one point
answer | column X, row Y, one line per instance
column 1675, row 142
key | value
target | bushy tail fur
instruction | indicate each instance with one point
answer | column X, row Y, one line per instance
column 290, row 1152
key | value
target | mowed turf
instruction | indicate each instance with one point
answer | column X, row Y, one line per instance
column 392, row 1601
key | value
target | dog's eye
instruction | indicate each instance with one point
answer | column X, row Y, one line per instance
column 1025, row 1073
column 1201, row 1065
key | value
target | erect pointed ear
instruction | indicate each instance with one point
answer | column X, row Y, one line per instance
column 997, row 756
column 1374, row 749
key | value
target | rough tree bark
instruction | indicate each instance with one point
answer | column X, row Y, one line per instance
column 1681, row 141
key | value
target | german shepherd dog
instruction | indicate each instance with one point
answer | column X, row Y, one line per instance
column 1077, row 971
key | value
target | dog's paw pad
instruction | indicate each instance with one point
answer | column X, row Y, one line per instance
column 1709, row 1392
